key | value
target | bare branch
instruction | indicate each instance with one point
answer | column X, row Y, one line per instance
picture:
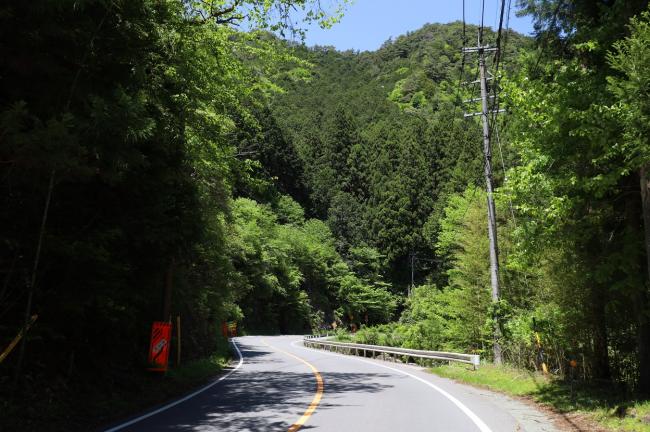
column 227, row 15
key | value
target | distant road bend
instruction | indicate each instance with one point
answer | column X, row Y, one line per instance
column 279, row 385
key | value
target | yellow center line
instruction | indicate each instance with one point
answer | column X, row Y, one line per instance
column 317, row 397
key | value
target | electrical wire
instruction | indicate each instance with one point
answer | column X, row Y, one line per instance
column 498, row 58
column 461, row 74
column 480, row 30
column 495, row 122
column 464, row 25
column 551, row 27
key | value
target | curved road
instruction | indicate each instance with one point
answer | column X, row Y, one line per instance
column 279, row 385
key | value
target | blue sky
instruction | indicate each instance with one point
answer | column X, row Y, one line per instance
column 368, row 23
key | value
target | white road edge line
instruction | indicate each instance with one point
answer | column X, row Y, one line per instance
column 183, row 399
column 477, row 421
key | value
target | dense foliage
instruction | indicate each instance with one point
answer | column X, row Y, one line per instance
column 130, row 130
column 291, row 276
column 155, row 162
column 381, row 142
column 573, row 200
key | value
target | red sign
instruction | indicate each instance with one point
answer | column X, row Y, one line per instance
column 161, row 335
column 229, row 329
column 224, row 329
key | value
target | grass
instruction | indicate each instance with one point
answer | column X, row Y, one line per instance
column 199, row 370
column 610, row 408
column 86, row 407
column 159, row 389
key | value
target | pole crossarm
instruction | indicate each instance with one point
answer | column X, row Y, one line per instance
column 477, row 99
column 481, row 113
column 479, row 49
column 465, row 83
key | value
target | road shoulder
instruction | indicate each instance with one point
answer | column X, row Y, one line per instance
column 526, row 414
column 532, row 415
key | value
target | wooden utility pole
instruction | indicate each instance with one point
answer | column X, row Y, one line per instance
column 413, row 257
column 412, row 274
column 487, row 153
column 492, row 220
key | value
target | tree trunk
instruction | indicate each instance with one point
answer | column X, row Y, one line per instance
column 643, row 348
column 643, row 335
column 600, row 360
column 644, row 177
column 596, row 311
column 32, row 279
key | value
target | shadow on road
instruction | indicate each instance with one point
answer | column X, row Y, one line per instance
column 255, row 399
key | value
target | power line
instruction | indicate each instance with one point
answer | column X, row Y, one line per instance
column 498, row 63
column 494, row 120
column 464, row 26
column 500, row 49
column 481, row 25
column 505, row 42
column 471, row 198
column 512, row 208
column 460, row 77
column 496, row 86
column 497, row 55
column 551, row 26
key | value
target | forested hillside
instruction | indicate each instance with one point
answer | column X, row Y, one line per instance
column 382, row 141
column 389, row 163
column 130, row 195
column 157, row 161
column 571, row 165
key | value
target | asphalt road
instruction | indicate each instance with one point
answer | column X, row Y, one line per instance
column 279, row 385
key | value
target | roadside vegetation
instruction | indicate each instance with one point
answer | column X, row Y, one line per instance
column 573, row 207
column 611, row 408
column 157, row 161
column 99, row 403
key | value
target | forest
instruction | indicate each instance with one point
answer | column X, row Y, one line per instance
column 157, row 160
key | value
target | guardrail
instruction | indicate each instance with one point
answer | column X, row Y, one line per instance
column 318, row 341
column 318, row 336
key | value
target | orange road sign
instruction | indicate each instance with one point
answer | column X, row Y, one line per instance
column 224, row 329
column 161, row 334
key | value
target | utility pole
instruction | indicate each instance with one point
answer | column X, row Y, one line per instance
column 487, row 153
column 412, row 274
column 413, row 256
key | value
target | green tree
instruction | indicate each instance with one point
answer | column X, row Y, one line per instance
column 631, row 58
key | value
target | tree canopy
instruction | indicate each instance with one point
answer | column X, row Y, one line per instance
column 156, row 160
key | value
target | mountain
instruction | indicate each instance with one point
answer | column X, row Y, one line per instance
column 380, row 139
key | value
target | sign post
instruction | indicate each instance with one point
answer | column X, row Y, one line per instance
column 161, row 333
column 178, row 340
